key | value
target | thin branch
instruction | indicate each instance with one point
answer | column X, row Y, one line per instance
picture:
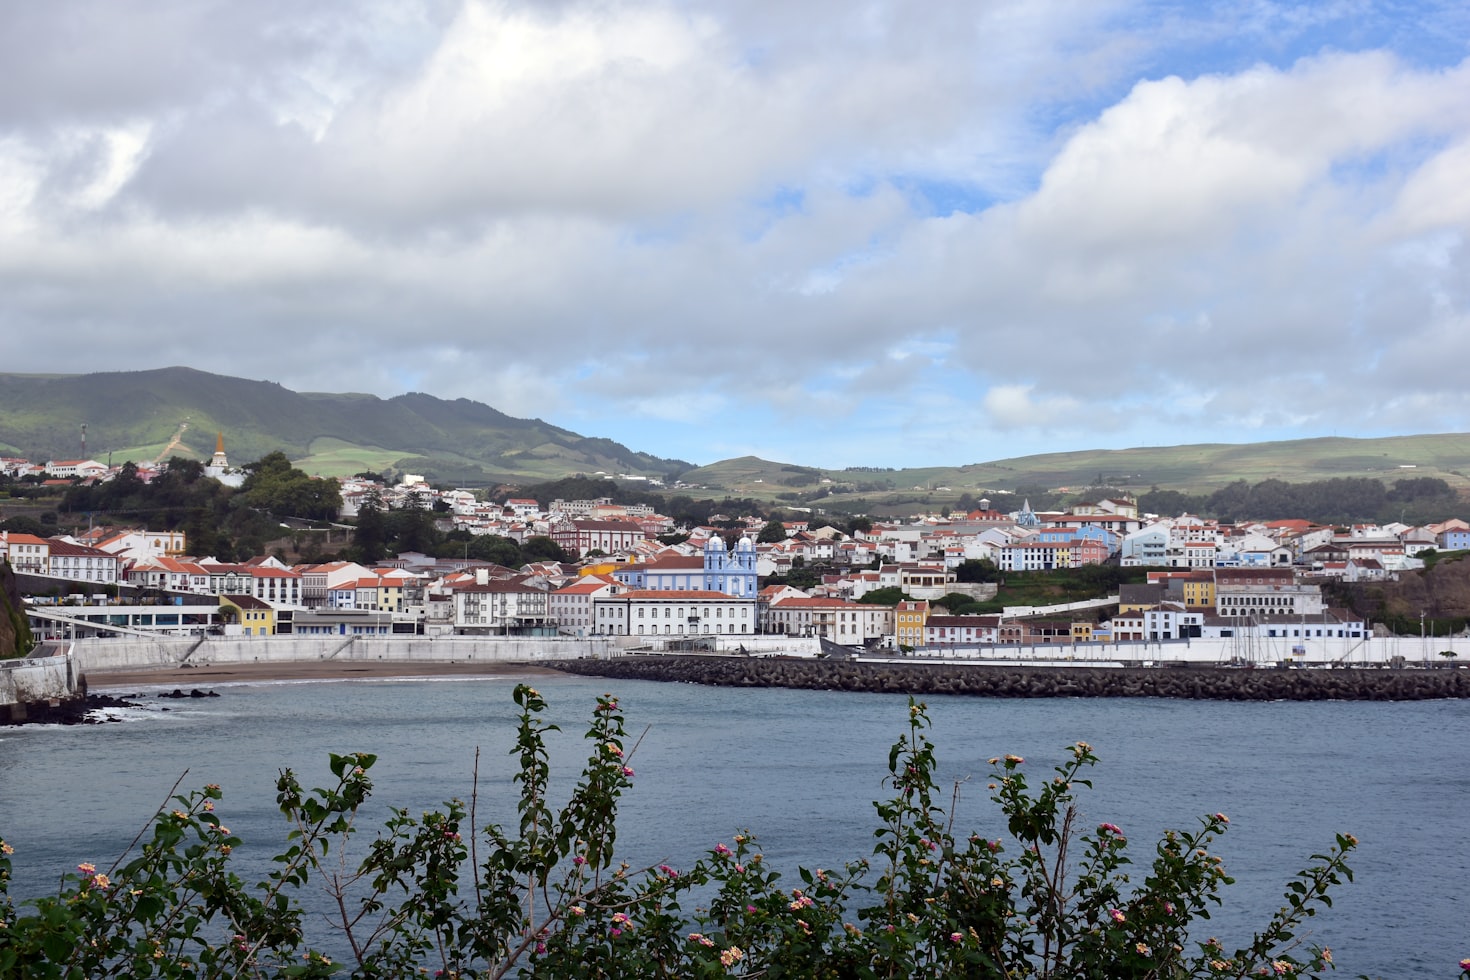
column 475, row 833
column 144, row 829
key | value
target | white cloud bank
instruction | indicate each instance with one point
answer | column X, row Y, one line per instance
column 844, row 234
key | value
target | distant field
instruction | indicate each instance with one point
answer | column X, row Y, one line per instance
column 1196, row 469
column 333, row 457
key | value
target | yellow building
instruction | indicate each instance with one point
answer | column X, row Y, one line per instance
column 1199, row 591
column 255, row 617
column 909, row 618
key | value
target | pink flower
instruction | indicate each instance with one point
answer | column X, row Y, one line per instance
column 1117, row 916
column 616, row 932
column 1222, row 818
column 540, row 948
column 1465, row 963
column 955, row 937
column 628, row 771
column 579, row 860
column 750, row 909
column 732, row 956
column 722, row 850
column 87, row 869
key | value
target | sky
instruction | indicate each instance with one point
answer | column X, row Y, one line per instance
column 834, row 232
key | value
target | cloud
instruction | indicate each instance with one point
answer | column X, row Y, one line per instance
column 849, row 226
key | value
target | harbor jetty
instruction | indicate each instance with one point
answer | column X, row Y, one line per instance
column 1192, row 681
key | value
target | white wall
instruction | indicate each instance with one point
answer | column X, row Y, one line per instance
column 41, row 679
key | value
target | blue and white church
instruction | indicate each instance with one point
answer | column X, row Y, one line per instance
column 718, row 569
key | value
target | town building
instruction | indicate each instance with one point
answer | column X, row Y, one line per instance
column 639, row 612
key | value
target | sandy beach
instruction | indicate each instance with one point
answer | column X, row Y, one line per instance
column 205, row 675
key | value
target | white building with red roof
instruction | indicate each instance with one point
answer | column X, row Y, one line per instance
column 80, row 563
column 72, row 468
column 642, row 612
column 138, row 545
column 502, row 606
column 171, row 575
column 570, row 606
column 26, row 552
column 848, row 623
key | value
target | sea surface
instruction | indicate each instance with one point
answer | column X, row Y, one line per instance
column 800, row 769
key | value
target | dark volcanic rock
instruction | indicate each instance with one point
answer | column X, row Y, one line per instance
column 70, row 712
column 1193, row 682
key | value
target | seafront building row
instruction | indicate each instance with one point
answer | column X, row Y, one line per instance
column 676, row 596
column 1208, row 579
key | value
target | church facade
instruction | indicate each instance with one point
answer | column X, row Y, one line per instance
column 718, row 569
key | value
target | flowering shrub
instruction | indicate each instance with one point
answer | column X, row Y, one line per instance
column 1047, row 898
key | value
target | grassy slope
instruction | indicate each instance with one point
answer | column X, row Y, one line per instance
column 134, row 415
column 1198, row 468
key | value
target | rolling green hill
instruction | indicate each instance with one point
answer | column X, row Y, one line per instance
column 143, row 415
column 1194, row 469
column 137, row 415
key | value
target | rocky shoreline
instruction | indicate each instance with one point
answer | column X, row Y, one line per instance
column 72, row 711
column 1191, row 682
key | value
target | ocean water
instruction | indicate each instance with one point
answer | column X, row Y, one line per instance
column 800, row 770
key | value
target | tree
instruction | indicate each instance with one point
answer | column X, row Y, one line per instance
column 977, row 570
column 370, row 538
column 495, row 549
column 890, row 596
column 22, row 524
column 273, row 485
column 541, row 548
column 958, row 603
column 773, row 533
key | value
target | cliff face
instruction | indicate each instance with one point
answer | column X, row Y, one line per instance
column 15, row 633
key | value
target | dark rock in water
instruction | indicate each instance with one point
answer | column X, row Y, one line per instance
column 74, row 711
column 998, row 681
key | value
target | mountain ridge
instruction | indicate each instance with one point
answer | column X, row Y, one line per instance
column 137, row 415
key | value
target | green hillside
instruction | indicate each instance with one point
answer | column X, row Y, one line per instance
column 1194, row 469
column 144, row 415
column 138, row 415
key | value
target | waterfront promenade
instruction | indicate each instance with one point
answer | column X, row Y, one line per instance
column 1328, row 668
column 1377, row 669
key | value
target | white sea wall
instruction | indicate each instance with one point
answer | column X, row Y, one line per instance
column 134, row 653
column 44, row 679
column 128, row 653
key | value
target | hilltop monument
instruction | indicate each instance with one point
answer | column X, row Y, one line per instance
column 219, row 465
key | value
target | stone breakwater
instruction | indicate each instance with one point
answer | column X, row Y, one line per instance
column 1196, row 683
